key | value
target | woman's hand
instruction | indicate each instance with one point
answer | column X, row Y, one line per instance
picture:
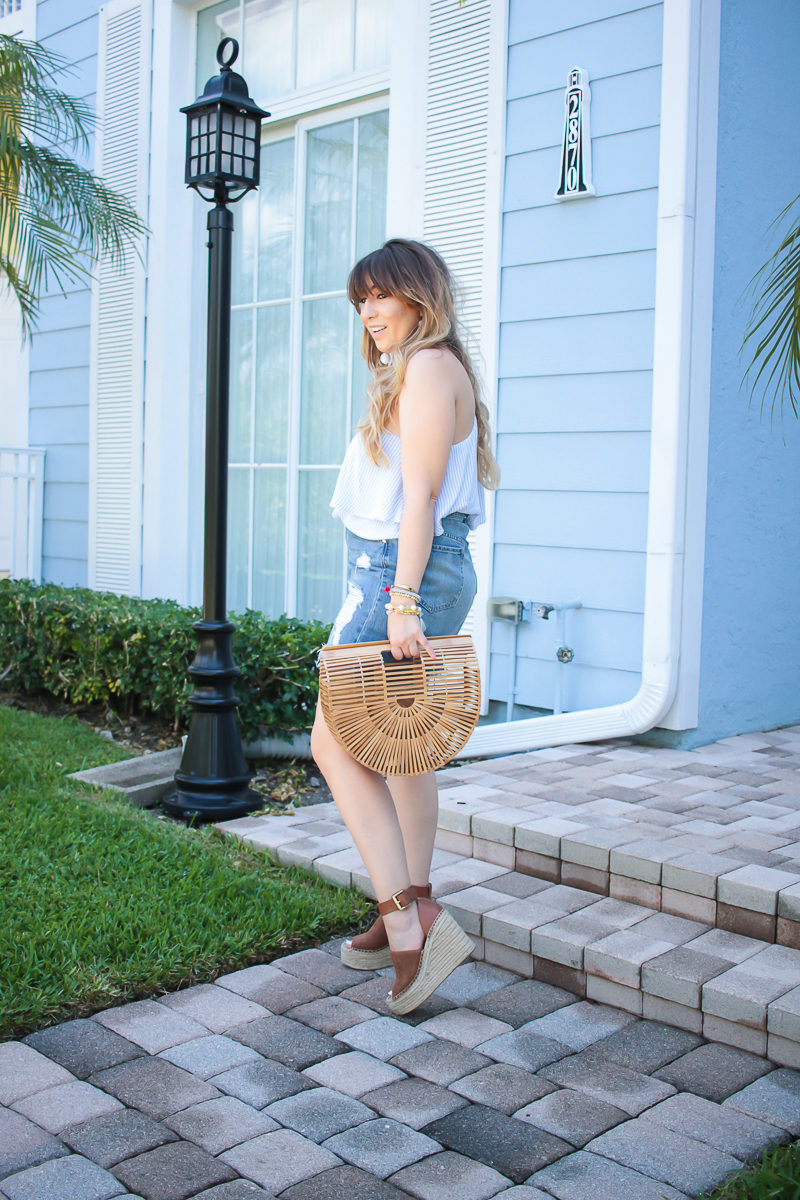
column 406, row 637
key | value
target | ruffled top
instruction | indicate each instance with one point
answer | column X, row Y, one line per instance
column 368, row 498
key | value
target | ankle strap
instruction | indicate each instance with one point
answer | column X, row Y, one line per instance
column 422, row 892
column 398, row 901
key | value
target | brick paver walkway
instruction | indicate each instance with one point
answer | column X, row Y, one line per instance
column 292, row 1079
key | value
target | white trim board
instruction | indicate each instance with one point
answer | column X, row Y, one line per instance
column 684, row 712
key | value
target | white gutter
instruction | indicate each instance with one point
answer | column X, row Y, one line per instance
column 680, row 85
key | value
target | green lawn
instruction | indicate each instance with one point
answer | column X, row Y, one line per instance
column 101, row 903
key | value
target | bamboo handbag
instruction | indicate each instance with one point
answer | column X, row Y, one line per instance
column 401, row 716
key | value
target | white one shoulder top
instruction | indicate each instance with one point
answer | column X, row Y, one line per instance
column 368, row 499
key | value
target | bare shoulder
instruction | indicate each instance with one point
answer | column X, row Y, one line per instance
column 434, row 366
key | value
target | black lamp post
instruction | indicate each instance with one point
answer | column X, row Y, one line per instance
column 223, row 143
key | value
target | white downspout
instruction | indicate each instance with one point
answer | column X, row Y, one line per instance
column 670, row 418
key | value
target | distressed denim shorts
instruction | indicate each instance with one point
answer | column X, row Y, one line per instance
column 448, row 586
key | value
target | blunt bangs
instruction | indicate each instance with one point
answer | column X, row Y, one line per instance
column 379, row 269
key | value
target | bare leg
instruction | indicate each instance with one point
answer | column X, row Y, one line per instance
column 367, row 809
column 416, row 802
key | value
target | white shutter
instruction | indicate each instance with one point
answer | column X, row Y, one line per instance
column 462, row 198
column 118, row 297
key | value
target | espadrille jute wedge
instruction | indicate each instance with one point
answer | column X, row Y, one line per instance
column 418, row 973
column 369, row 951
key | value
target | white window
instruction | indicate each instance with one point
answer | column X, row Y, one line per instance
column 292, row 45
column 297, row 377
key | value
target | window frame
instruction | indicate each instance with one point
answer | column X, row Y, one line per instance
column 299, row 129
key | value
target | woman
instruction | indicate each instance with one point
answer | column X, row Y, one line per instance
column 410, row 489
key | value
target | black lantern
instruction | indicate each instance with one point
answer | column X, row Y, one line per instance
column 223, row 130
column 222, row 153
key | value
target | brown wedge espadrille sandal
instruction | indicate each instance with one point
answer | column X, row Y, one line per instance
column 418, row 973
column 369, row 951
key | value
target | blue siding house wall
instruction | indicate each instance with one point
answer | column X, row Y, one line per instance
column 750, row 653
column 576, row 343
column 575, row 375
column 59, row 357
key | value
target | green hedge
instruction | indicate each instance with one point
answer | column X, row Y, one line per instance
column 95, row 647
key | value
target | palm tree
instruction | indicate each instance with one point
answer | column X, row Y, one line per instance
column 56, row 217
column 773, row 328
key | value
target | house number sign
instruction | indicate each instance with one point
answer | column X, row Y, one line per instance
column 576, row 146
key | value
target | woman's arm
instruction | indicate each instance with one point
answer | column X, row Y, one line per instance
column 426, row 416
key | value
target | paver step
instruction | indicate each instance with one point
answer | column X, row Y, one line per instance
column 729, row 987
column 695, row 838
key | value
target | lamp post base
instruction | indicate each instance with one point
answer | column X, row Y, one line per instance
column 213, row 778
column 219, row 807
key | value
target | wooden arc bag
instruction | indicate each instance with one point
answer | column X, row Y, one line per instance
column 401, row 716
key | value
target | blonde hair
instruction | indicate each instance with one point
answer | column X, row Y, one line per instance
column 419, row 276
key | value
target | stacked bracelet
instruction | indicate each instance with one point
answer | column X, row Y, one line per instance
column 416, row 611
column 403, row 589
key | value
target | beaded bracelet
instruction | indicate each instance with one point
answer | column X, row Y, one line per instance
column 414, row 612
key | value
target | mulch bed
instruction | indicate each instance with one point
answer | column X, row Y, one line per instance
column 282, row 781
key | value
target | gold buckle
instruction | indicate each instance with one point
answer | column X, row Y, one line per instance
column 397, row 903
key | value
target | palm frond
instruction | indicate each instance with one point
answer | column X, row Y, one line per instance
column 30, row 101
column 772, row 334
column 56, row 217
column 97, row 217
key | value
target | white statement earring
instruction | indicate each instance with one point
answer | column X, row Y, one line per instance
column 386, row 359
